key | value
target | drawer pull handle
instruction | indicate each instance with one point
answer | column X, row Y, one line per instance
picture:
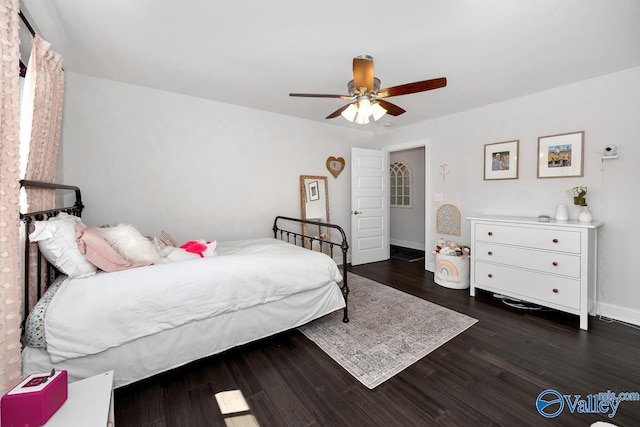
column 490, row 276
column 489, row 253
column 490, row 233
column 555, row 240
column 555, row 263
column 555, row 290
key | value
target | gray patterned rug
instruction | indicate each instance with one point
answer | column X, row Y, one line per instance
column 388, row 331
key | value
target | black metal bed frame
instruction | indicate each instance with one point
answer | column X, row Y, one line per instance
column 302, row 240
column 27, row 219
column 46, row 272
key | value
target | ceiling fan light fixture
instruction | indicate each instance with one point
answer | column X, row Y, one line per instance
column 364, row 107
column 362, row 119
column 361, row 112
column 350, row 112
column 378, row 111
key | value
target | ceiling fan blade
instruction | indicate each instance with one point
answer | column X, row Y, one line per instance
column 392, row 109
column 414, row 87
column 321, row 95
column 363, row 72
column 337, row 112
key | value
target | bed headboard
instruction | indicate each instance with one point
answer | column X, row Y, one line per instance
column 45, row 272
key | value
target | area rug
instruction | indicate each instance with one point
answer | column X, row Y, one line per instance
column 388, row 331
column 406, row 254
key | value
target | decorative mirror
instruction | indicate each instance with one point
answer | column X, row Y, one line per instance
column 314, row 205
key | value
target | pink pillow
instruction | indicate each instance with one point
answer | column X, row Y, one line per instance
column 98, row 252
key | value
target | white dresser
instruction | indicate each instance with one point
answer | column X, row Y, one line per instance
column 552, row 264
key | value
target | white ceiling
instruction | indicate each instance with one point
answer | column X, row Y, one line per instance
column 253, row 53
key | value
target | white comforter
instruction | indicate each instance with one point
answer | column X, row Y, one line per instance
column 89, row 315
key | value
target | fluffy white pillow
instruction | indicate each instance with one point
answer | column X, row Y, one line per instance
column 56, row 239
column 99, row 252
column 131, row 244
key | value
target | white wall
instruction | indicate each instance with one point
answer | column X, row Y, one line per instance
column 607, row 109
column 199, row 168
column 193, row 167
column 407, row 224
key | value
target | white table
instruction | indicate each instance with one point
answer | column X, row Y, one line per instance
column 89, row 404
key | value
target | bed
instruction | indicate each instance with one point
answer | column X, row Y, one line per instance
column 147, row 319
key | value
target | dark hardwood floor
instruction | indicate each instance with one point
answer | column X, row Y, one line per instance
column 489, row 375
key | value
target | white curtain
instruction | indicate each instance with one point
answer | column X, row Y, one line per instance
column 10, row 286
column 42, row 107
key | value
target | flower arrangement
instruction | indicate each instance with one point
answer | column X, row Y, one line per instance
column 579, row 194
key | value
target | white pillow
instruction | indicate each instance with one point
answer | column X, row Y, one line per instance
column 56, row 239
column 131, row 244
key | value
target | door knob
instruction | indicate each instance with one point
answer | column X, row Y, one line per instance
column 356, row 212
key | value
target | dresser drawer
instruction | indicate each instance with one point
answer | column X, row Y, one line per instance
column 528, row 285
column 534, row 237
column 548, row 262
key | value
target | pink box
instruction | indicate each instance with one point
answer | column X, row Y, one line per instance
column 32, row 402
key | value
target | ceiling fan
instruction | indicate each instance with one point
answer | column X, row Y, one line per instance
column 367, row 99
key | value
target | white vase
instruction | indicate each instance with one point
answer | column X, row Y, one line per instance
column 585, row 215
column 562, row 213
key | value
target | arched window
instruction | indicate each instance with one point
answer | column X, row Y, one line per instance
column 400, row 185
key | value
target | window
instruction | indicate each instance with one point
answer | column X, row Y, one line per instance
column 400, row 185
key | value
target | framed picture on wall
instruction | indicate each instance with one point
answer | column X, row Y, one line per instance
column 561, row 156
column 314, row 194
column 501, row 160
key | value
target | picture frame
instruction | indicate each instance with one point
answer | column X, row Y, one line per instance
column 314, row 193
column 501, row 160
column 335, row 165
column 561, row 155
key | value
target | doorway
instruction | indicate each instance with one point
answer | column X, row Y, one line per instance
column 370, row 195
column 408, row 223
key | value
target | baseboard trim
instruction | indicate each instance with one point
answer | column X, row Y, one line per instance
column 405, row 244
column 616, row 312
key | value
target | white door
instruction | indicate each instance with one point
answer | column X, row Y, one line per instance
column 369, row 205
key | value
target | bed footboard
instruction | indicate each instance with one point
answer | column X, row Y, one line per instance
column 298, row 238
